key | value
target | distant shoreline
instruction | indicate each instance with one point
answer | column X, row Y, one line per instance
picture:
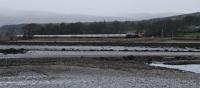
column 71, row 43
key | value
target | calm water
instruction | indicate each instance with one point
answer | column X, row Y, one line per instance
column 192, row 68
column 97, row 51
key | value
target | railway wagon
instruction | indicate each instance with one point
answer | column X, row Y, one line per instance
column 86, row 36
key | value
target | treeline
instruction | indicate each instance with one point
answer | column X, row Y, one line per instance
column 165, row 27
column 77, row 28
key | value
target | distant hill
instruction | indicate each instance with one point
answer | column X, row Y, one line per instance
column 166, row 26
column 146, row 16
column 185, row 23
column 19, row 17
column 10, row 17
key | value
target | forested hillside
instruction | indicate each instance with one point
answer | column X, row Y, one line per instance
column 168, row 26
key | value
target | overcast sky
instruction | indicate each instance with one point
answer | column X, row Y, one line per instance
column 103, row 7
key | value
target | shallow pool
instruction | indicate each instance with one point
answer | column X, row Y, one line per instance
column 192, row 67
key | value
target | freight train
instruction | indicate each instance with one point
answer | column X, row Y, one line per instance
column 128, row 35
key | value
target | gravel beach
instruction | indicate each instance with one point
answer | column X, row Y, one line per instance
column 65, row 76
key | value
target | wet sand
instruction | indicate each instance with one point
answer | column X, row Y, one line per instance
column 95, row 54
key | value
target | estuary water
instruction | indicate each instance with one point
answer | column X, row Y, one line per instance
column 191, row 68
column 97, row 51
